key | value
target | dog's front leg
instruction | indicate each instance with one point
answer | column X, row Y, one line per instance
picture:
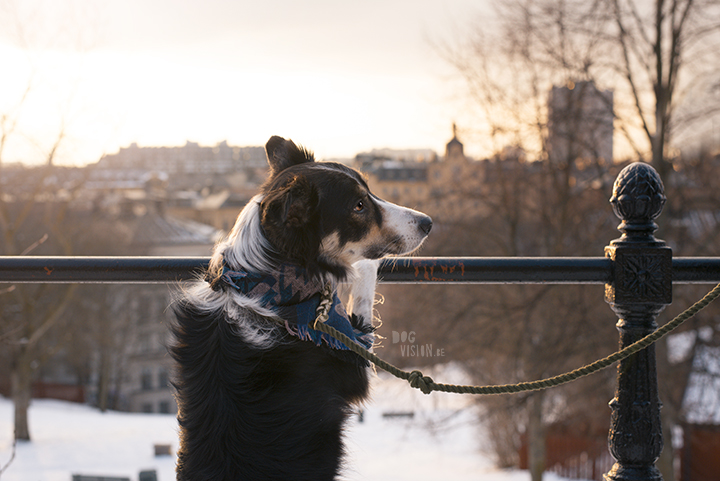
column 362, row 292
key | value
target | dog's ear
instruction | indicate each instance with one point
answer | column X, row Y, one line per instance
column 290, row 220
column 300, row 201
column 282, row 153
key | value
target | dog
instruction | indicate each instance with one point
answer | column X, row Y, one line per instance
column 262, row 395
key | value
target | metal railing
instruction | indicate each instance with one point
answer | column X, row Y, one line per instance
column 433, row 270
column 638, row 271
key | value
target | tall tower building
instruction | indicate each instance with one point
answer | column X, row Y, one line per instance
column 580, row 122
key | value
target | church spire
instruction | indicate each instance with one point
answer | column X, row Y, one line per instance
column 454, row 149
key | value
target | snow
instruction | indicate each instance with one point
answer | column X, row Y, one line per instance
column 702, row 395
column 441, row 441
column 701, row 402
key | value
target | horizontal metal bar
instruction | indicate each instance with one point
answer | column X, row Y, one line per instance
column 533, row 270
column 488, row 270
column 696, row 270
column 478, row 270
column 123, row 270
column 498, row 270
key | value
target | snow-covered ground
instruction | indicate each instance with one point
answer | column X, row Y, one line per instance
column 442, row 440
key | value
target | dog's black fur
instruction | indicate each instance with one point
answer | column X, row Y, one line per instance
column 254, row 401
column 259, row 414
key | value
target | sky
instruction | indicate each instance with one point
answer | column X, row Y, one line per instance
column 338, row 76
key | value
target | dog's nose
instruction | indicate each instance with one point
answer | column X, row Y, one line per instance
column 425, row 224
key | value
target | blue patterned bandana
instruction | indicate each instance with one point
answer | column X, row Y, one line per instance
column 295, row 297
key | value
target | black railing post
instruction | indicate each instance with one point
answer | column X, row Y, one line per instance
column 640, row 290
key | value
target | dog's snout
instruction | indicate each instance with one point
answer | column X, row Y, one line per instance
column 425, row 224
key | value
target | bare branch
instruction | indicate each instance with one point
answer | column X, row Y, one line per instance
column 623, row 40
column 34, row 245
column 12, row 457
column 640, row 27
column 53, row 316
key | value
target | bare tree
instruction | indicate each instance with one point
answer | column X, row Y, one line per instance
column 666, row 50
column 34, row 206
column 650, row 54
column 508, row 334
column 660, row 57
column 16, row 212
column 543, row 207
column 31, row 204
column 31, row 311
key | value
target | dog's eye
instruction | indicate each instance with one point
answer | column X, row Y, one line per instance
column 360, row 206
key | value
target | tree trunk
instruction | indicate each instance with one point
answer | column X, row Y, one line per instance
column 103, row 381
column 659, row 162
column 536, row 437
column 665, row 462
column 21, row 382
column 22, row 370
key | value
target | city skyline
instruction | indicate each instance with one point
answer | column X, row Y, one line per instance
column 341, row 78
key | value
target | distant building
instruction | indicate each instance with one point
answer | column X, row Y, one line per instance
column 131, row 367
column 209, row 185
column 144, row 381
column 456, row 184
column 218, row 209
column 188, row 159
column 580, row 123
column 446, row 188
column 398, row 181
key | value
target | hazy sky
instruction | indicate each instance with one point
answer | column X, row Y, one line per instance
column 338, row 76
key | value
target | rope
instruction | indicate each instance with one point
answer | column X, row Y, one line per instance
column 427, row 385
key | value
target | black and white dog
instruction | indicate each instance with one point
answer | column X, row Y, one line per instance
column 261, row 394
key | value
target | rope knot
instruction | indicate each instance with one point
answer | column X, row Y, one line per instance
column 323, row 309
column 418, row 381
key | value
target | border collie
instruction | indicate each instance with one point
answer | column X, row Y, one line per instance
column 261, row 394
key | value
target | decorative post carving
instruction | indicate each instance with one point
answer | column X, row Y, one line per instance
column 641, row 288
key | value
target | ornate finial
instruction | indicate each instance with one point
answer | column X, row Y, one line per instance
column 454, row 127
column 638, row 198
